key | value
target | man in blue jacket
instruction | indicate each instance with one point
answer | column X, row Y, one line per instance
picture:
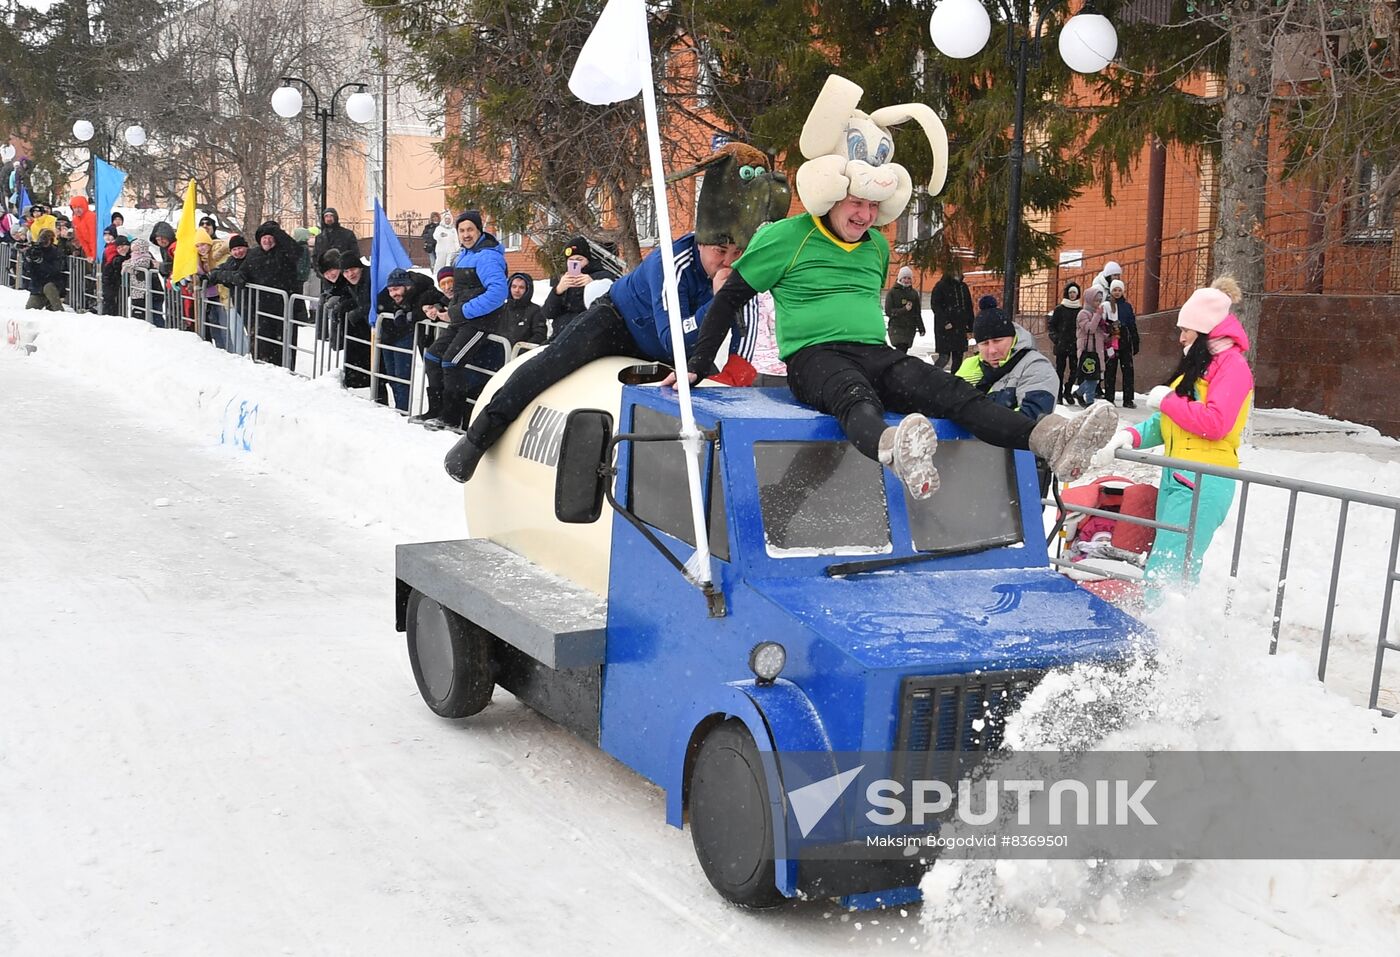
column 478, row 293
column 630, row 319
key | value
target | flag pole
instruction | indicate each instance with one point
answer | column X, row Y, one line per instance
column 699, row 565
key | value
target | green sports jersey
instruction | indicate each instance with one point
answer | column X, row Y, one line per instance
column 824, row 290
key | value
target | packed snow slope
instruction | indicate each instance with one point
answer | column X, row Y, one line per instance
column 210, row 740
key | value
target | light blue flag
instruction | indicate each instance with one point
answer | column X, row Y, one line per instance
column 110, row 181
column 386, row 254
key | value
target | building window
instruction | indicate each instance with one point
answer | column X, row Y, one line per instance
column 922, row 219
column 593, row 199
column 645, row 211
column 707, row 70
column 1373, row 204
column 514, row 240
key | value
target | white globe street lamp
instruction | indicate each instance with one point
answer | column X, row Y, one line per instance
column 286, row 102
column 7, row 153
column 136, row 135
column 959, row 28
column 82, row 131
column 360, row 107
column 1088, row 43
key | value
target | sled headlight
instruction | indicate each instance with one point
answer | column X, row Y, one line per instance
column 766, row 661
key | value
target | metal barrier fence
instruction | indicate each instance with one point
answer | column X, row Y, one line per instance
column 1344, row 496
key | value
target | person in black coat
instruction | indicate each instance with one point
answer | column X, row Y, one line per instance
column 355, row 308
column 271, row 263
column 565, row 301
column 521, row 320
column 1061, row 329
column 337, row 237
column 1124, row 319
column 904, row 312
column 951, row 302
column 429, row 239
column 45, row 274
column 399, row 309
column 112, row 276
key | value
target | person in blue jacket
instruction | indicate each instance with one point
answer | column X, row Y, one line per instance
column 478, row 294
column 630, row 318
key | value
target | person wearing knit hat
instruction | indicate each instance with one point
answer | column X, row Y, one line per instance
column 478, row 295
column 116, row 252
column 1104, row 280
column 1060, row 326
column 1008, row 368
column 565, row 301
column 904, row 313
column 1123, row 319
column 407, row 299
column 229, row 276
column 444, row 280
column 1200, row 416
column 992, row 323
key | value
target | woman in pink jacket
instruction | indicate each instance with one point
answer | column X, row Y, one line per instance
column 1089, row 344
column 1201, row 416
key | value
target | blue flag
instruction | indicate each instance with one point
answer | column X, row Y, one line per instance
column 107, row 190
column 23, row 199
column 386, row 254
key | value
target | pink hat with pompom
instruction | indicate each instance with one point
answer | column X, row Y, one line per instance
column 1206, row 309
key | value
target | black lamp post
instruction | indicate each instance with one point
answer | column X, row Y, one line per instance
column 1088, row 43
column 287, row 103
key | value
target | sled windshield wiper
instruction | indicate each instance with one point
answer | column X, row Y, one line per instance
column 880, row 564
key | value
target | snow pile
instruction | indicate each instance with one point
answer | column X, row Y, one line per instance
column 357, row 453
column 1209, row 687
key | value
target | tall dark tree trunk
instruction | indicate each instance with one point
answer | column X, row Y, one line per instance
column 1244, row 155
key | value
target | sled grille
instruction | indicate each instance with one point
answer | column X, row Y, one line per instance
column 946, row 716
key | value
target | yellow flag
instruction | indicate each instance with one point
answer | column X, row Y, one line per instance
column 186, row 255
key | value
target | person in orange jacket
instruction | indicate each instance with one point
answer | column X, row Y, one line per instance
column 84, row 226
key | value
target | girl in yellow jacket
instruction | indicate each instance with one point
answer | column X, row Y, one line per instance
column 1201, row 416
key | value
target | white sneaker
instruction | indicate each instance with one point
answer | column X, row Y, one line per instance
column 908, row 451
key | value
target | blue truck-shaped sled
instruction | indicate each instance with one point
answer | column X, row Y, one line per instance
column 843, row 617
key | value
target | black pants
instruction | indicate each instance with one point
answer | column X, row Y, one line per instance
column 600, row 331
column 949, row 359
column 1067, row 370
column 858, row 383
column 445, row 361
column 1123, row 360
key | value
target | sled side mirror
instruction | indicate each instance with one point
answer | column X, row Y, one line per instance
column 581, row 476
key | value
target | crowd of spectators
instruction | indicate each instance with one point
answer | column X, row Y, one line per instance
column 455, row 317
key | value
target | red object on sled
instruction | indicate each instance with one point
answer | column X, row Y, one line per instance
column 1114, row 493
column 737, row 371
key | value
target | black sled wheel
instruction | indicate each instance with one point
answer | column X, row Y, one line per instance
column 451, row 658
column 730, row 821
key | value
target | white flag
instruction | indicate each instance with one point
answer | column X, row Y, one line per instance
column 615, row 59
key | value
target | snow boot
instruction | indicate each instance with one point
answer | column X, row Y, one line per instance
column 460, row 462
column 433, row 410
column 1068, row 444
column 908, row 451
column 454, row 408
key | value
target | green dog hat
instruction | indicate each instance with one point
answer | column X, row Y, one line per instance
column 740, row 193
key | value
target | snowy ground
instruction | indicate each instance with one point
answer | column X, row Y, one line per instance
column 210, row 741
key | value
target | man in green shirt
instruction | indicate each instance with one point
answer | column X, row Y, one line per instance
column 826, row 273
